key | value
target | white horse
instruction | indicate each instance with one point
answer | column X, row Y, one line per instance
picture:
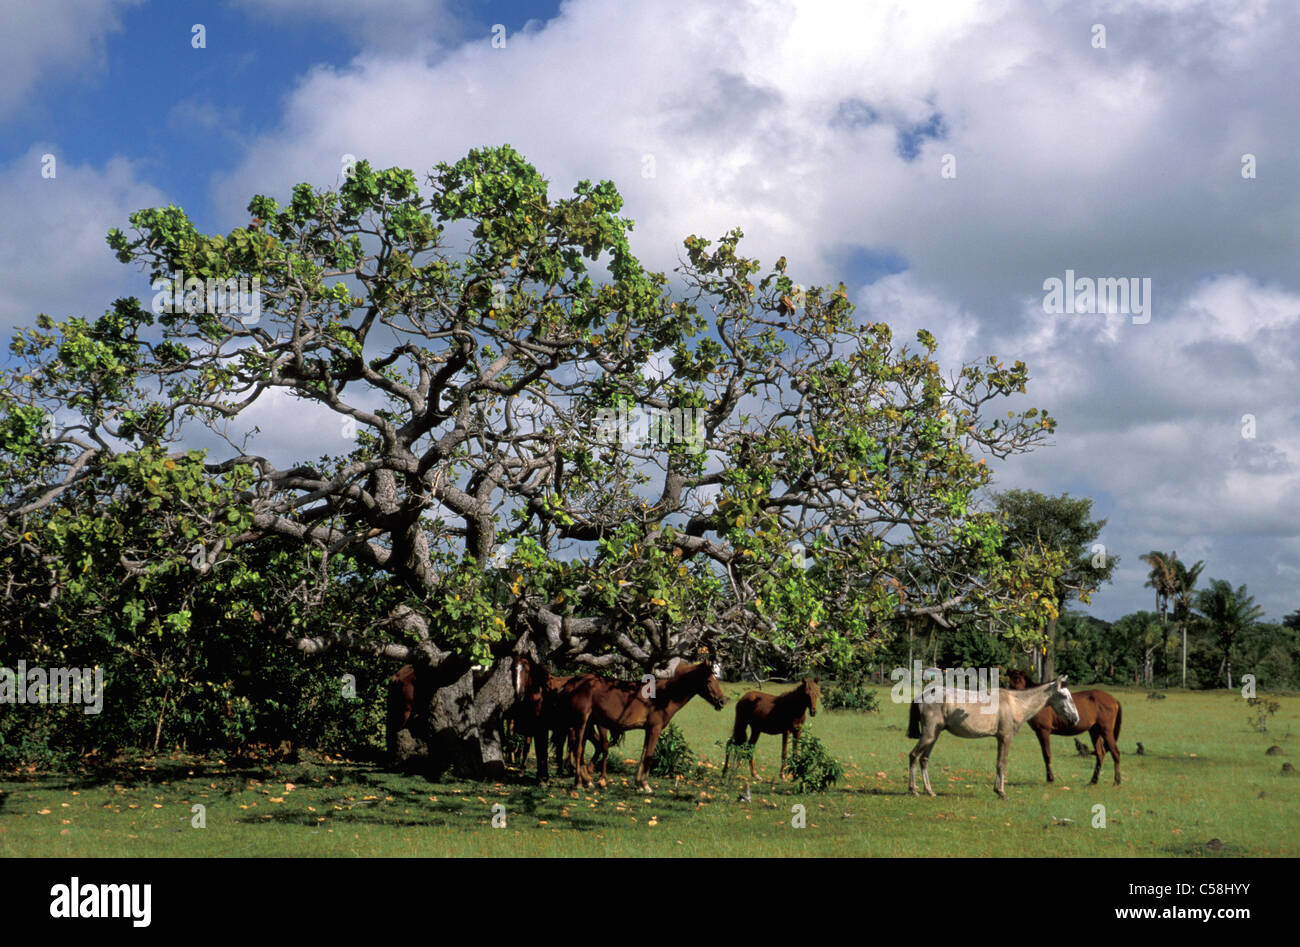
column 961, row 712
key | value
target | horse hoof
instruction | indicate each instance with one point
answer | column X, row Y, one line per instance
column 915, row 793
column 1002, row 795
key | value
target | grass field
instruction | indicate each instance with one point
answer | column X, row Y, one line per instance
column 1204, row 776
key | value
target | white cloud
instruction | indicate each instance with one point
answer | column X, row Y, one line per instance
column 53, row 41
column 52, row 236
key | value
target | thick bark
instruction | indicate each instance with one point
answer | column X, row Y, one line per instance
column 456, row 723
column 1049, row 660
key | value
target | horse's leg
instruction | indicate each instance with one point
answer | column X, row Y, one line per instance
column 1113, row 745
column 1098, row 748
column 785, row 740
column 1004, row 747
column 921, row 752
column 560, row 747
column 753, row 742
column 1045, row 744
column 925, row 761
column 578, row 741
column 604, row 756
column 647, row 755
column 911, row 767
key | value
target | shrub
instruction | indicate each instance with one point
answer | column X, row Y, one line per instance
column 1262, row 710
column 673, row 756
column 739, row 753
column 813, row 769
column 850, row 696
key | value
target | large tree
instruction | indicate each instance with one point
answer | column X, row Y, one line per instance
column 482, row 344
column 1061, row 524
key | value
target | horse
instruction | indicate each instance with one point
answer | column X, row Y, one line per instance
column 539, row 712
column 966, row 716
column 401, row 705
column 622, row 705
column 769, row 713
column 1100, row 715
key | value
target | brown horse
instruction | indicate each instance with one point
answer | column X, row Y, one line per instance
column 401, row 704
column 768, row 713
column 625, row 705
column 533, row 715
column 1099, row 713
column 541, row 711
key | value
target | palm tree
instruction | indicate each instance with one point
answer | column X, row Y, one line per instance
column 1163, row 579
column 1173, row 581
column 1229, row 611
column 1184, row 581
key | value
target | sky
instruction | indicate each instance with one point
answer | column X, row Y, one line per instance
column 946, row 160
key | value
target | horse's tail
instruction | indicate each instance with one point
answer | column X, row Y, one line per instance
column 914, row 721
column 1119, row 718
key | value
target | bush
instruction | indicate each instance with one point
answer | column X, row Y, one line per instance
column 813, row 769
column 673, row 756
column 850, row 696
column 1262, row 710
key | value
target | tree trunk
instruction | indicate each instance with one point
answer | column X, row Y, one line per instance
column 1184, row 655
column 457, row 720
column 1049, row 659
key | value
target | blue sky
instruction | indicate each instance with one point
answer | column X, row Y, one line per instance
column 820, row 129
column 152, row 75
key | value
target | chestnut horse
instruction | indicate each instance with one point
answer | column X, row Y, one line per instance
column 623, row 705
column 401, row 704
column 1099, row 713
column 768, row 713
column 533, row 714
column 540, row 712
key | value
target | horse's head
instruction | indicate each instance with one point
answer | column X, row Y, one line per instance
column 523, row 675
column 1063, row 702
column 812, row 688
column 707, row 685
column 1017, row 680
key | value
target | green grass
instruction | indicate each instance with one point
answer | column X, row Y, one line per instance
column 1204, row 776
